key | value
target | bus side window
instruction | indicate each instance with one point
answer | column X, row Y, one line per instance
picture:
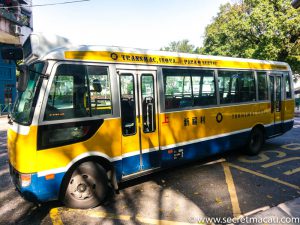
column 100, row 93
column 227, row 86
column 79, row 91
column 189, row 88
column 204, row 90
column 128, row 113
column 236, row 86
column 288, row 89
column 68, row 94
column 262, row 86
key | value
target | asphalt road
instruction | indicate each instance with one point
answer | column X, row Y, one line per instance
column 223, row 186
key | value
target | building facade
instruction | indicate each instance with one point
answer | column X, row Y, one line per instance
column 15, row 26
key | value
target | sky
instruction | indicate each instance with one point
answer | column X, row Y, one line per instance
column 147, row 24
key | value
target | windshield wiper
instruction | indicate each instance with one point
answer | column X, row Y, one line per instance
column 41, row 74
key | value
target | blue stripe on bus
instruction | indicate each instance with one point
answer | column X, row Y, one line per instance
column 279, row 128
column 132, row 164
column 204, row 149
column 45, row 190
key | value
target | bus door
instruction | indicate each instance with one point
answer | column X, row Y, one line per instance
column 138, row 102
column 276, row 102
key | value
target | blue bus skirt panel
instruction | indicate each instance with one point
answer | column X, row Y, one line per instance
column 279, row 128
column 42, row 190
column 288, row 125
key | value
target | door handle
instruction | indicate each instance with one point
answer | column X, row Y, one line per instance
column 150, row 113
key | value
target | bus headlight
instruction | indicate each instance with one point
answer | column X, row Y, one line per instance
column 25, row 180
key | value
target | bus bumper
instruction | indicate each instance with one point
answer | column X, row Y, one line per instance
column 34, row 188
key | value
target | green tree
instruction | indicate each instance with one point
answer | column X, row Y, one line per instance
column 181, row 46
column 261, row 29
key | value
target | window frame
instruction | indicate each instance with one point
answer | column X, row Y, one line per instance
column 113, row 86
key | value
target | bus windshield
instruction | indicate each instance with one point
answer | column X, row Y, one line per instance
column 22, row 110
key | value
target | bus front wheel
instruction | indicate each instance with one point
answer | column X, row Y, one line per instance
column 255, row 142
column 87, row 186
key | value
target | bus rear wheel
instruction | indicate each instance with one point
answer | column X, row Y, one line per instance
column 255, row 142
column 87, row 186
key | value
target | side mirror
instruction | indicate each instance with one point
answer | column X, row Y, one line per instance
column 12, row 53
column 23, row 78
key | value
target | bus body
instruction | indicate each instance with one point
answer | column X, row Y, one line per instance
column 134, row 111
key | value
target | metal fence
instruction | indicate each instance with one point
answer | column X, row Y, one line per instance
column 5, row 108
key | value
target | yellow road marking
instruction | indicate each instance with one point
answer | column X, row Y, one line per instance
column 262, row 157
column 232, row 191
column 101, row 214
column 280, row 162
column 292, row 146
column 55, row 217
column 264, row 176
column 98, row 214
column 293, row 171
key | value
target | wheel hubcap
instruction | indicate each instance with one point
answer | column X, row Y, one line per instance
column 82, row 187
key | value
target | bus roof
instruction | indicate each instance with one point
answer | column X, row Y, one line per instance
column 114, row 54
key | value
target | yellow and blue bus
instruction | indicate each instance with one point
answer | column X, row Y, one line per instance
column 89, row 117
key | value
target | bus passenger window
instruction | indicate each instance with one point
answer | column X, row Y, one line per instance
column 262, row 86
column 177, row 93
column 236, row 86
column 189, row 88
column 178, row 88
column 128, row 113
column 288, row 90
column 204, row 91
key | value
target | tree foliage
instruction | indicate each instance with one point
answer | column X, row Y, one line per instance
column 180, row 46
column 261, row 29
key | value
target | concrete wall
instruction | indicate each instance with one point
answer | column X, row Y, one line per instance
column 15, row 26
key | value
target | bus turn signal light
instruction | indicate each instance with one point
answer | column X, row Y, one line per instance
column 50, row 177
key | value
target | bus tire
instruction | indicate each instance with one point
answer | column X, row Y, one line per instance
column 256, row 141
column 87, row 186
